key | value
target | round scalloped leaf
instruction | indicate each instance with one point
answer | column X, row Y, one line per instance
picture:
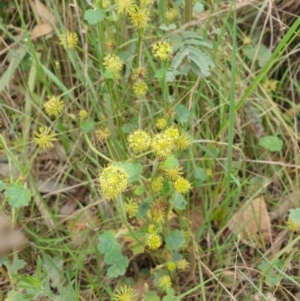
column 271, row 143
column 17, row 195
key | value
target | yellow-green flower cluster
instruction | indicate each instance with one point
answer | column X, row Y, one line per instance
column 270, row 85
column 292, row 225
column 125, row 6
column 171, row 266
column 140, row 88
column 161, row 123
column 182, row 264
column 131, row 207
column 171, row 14
column 182, row 185
column 83, row 114
column 139, row 73
column 102, row 134
column 162, row 50
column 44, row 138
column 174, row 173
column 162, row 145
column 157, row 184
column 113, row 64
column 154, row 241
column 139, row 141
column 113, row 181
column 68, row 40
column 165, row 282
column 125, row 293
column 53, row 106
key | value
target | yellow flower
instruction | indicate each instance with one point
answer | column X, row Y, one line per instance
column 162, row 145
column 162, row 50
column 125, row 293
column 102, row 134
column 53, row 106
column 183, row 142
column 171, row 266
column 113, row 181
column 174, row 173
column 172, row 133
column 171, row 14
column 125, row 6
column 157, row 184
column 140, row 88
column 113, row 64
column 106, row 4
column 165, row 282
column 131, row 207
column 247, row 40
column 182, row 185
column 139, row 73
column 68, row 39
column 44, row 137
column 152, row 229
column 270, row 85
column 154, row 241
column 140, row 17
column 139, row 141
column 182, row 264
column 161, row 123
column 83, row 114
column 292, row 225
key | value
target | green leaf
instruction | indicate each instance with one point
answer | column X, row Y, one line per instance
column 170, row 163
column 167, row 27
column 175, row 240
column 17, row 265
column 294, row 215
column 139, row 190
column 144, row 207
column 179, row 202
column 134, row 170
column 170, row 295
column 87, row 126
column 271, row 143
column 2, row 185
column 160, row 74
column 272, row 279
column 200, row 174
column 108, row 244
column 260, row 52
column 14, row 296
column 152, row 296
column 198, row 7
column 93, row 16
column 118, row 269
column 17, row 195
column 54, row 266
column 182, row 113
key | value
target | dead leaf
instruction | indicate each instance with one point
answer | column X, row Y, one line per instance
column 44, row 13
column 10, row 239
column 252, row 223
column 41, row 30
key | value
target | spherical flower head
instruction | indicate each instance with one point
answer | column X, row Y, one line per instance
column 161, row 123
column 165, row 282
column 292, row 225
column 162, row 50
column 174, row 173
column 139, row 141
column 157, row 184
column 247, row 40
column 44, row 137
column 182, row 264
column 106, row 4
column 140, row 17
column 83, row 114
column 171, row 266
column 113, row 181
column 125, row 6
column 172, row 133
column 140, row 88
column 171, row 14
column 183, row 142
column 102, row 134
column 270, row 85
column 125, row 293
column 152, row 229
column 182, row 185
column 113, row 64
column 131, row 207
column 154, row 241
column 68, row 39
column 162, row 145
column 139, row 73
column 53, row 106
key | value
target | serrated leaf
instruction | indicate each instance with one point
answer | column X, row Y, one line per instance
column 87, row 126
column 152, row 296
column 272, row 279
column 93, row 16
column 200, row 174
column 179, row 202
column 170, row 163
column 182, row 113
column 2, row 185
column 17, row 265
column 271, row 143
column 170, row 295
column 294, row 215
column 175, row 240
column 14, row 296
column 108, row 243
column 118, row 269
column 17, row 195
column 134, row 170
